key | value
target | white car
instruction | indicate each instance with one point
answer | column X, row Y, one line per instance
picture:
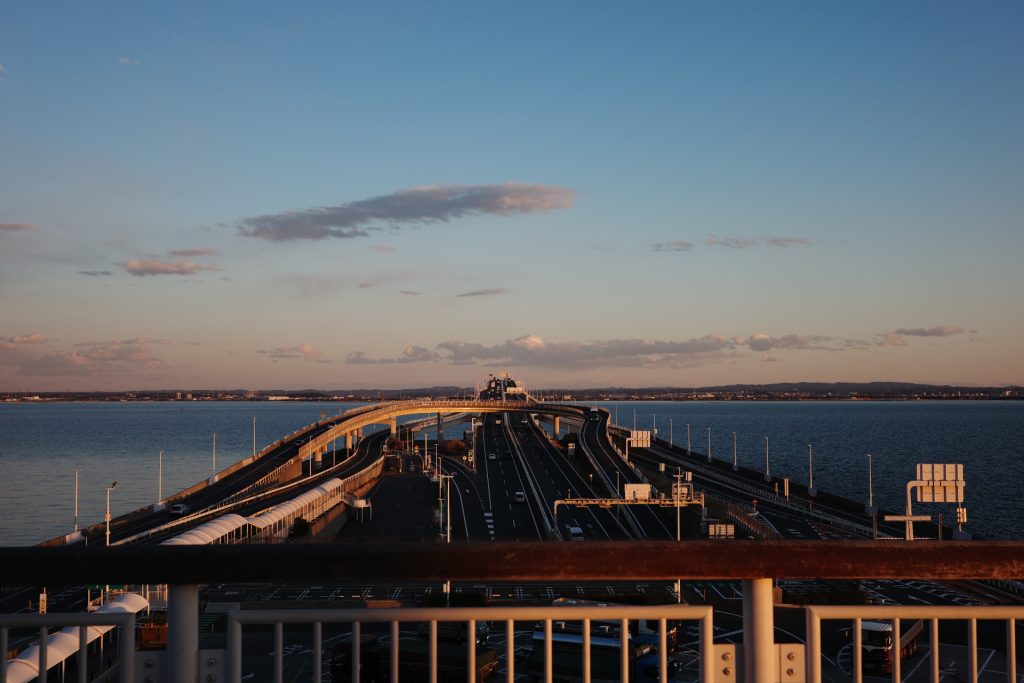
column 178, row 509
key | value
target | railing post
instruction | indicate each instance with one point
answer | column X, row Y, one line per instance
column 182, row 633
column 758, row 632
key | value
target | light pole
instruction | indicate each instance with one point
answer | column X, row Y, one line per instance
column 767, row 469
column 215, row 453
column 76, row 500
column 254, row 435
column 670, row 432
column 654, row 426
column 634, row 419
column 107, row 517
column 679, row 474
column 810, row 471
column 709, row 444
column 735, row 467
column 687, row 438
column 871, row 490
column 160, row 478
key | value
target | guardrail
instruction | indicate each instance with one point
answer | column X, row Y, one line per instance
column 756, row 563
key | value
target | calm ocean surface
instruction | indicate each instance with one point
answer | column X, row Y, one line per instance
column 43, row 444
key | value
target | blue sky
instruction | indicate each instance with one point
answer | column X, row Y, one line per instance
column 397, row 194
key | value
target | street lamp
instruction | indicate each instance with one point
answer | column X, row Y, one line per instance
column 160, row 478
column 215, row 453
column 767, row 469
column 254, row 435
column 670, row 432
column 709, row 444
column 871, row 492
column 107, row 517
column 734, row 465
column 810, row 471
column 687, row 438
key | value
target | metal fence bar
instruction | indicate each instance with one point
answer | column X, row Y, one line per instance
column 858, row 653
column 624, row 650
column 707, row 639
column 234, row 651
column 548, row 656
column 897, row 652
column 44, row 634
column 83, row 654
column 510, row 651
column 3, row 651
column 278, row 652
column 318, row 656
column 433, row 652
column 1011, row 650
column 663, row 650
column 813, row 657
column 586, row 651
column 471, row 651
column 934, row 639
column 357, row 638
column 394, row 651
column 972, row 645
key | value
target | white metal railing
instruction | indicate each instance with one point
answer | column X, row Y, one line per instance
column 932, row 614
column 125, row 621
column 585, row 615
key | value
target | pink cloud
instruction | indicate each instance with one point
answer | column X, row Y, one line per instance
column 144, row 267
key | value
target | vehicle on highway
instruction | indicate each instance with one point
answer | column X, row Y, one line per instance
column 178, row 509
column 492, row 456
column 877, row 643
column 575, row 533
column 519, row 497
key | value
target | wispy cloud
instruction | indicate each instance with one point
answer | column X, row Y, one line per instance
column 776, row 242
column 937, row 331
column 192, row 253
column 411, row 354
column 15, row 227
column 674, row 245
column 144, row 267
column 410, row 292
column 890, row 339
column 128, row 61
column 532, row 350
column 96, row 273
column 415, row 206
column 483, row 292
column 3, row 69
column 97, row 358
column 382, row 248
column 306, row 352
column 22, row 340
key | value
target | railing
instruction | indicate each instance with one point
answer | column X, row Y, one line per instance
column 757, row 564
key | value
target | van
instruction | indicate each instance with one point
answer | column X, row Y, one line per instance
column 519, row 497
column 178, row 509
column 575, row 533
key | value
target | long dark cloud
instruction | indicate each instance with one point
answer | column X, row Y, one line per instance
column 95, row 273
column 306, row 352
column 483, row 292
column 937, row 331
column 192, row 253
column 15, row 227
column 415, row 206
column 769, row 241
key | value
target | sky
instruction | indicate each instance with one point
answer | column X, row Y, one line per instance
column 402, row 194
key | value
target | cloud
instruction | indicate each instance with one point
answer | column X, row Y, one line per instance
column 411, row 354
column 22, row 340
column 144, row 267
column 415, row 206
column 764, row 342
column 192, row 253
column 735, row 243
column 3, row 69
column 937, row 331
column 128, row 61
column 674, row 245
column 410, row 292
column 483, row 292
column 891, row 339
column 15, row 227
column 97, row 358
column 382, row 248
column 751, row 242
column 306, row 352
column 95, row 273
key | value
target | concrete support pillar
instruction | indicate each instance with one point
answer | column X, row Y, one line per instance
column 318, row 455
column 182, row 633
column 556, row 424
column 394, row 426
column 759, row 665
column 348, row 440
column 440, row 428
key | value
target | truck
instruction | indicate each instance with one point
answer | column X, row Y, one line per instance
column 877, row 643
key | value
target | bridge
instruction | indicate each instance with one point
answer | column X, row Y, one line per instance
column 523, row 490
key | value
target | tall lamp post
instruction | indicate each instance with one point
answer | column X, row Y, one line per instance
column 107, row 517
column 254, row 435
column 160, row 478
column 810, row 472
column 687, row 438
column 767, row 469
column 709, row 444
column 215, row 453
column 76, row 500
column 735, row 467
column 871, row 491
